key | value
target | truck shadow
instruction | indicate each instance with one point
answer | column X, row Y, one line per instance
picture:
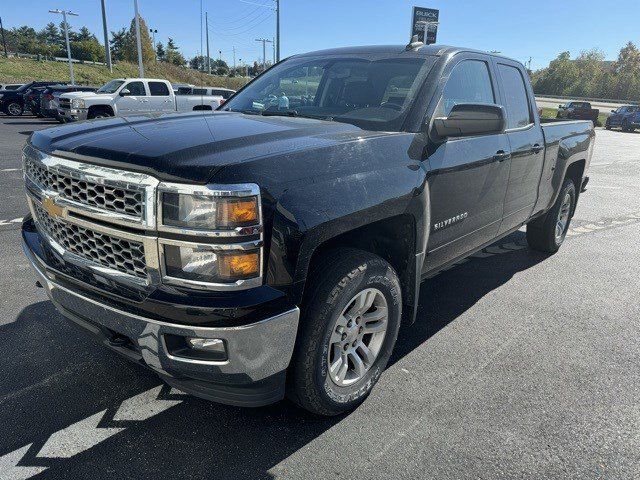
column 55, row 376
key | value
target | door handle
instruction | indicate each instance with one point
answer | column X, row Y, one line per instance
column 536, row 148
column 501, row 155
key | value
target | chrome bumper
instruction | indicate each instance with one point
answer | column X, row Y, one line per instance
column 73, row 114
column 256, row 352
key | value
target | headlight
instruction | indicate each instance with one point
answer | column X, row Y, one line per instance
column 191, row 219
column 202, row 264
column 78, row 103
column 204, row 211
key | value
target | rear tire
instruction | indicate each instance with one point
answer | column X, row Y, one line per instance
column 547, row 233
column 347, row 332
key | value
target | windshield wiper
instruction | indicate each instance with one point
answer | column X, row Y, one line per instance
column 279, row 113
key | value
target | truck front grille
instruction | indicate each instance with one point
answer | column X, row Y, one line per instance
column 115, row 253
column 64, row 103
column 114, row 199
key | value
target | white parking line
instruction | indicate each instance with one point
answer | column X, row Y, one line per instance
column 9, row 222
column 10, row 169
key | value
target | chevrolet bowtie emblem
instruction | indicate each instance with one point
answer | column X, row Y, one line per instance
column 51, row 208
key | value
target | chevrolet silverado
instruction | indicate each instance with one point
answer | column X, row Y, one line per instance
column 274, row 248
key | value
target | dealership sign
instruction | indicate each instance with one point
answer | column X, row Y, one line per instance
column 425, row 19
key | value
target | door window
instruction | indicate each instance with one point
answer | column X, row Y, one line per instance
column 469, row 82
column 158, row 89
column 516, row 100
column 136, row 89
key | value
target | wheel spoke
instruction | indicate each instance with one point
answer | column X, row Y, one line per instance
column 363, row 302
column 378, row 314
column 336, row 337
column 375, row 327
column 358, row 365
column 367, row 355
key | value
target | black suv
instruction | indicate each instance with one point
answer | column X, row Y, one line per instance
column 12, row 102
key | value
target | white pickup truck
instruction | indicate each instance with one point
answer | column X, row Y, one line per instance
column 132, row 96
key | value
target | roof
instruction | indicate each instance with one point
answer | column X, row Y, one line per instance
column 426, row 50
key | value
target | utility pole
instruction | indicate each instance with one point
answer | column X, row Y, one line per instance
column 206, row 17
column 4, row 42
column 274, row 50
column 277, row 30
column 234, row 60
column 138, row 41
column 264, row 51
column 107, row 50
column 66, row 37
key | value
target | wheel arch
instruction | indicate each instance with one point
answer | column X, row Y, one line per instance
column 105, row 108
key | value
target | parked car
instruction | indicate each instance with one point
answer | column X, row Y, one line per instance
column 10, row 86
column 626, row 117
column 223, row 93
column 261, row 251
column 578, row 111
column 51, row 95
column 131, row 96
column 12, row 102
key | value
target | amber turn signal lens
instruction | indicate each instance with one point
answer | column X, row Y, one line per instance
column 239, row 265
column 238, row 212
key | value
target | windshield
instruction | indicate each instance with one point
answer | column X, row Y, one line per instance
column 371, row 92
column 110, row 87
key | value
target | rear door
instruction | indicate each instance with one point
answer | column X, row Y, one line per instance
column 526, row 143
column 469, row 175
column 160, row 98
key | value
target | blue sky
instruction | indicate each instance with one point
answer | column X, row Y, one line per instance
column 518, row 28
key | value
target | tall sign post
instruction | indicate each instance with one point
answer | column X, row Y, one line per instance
column 424, row 24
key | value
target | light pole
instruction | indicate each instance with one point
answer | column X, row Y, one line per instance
column 66, row 37
column 107, row 50
column 153, row 32
column 138, row 41
column 4, row 42
column 277, row 30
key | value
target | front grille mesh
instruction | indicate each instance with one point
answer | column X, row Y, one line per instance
column 116, row 253
column 114, row 199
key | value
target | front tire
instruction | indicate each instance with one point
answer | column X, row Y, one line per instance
column 547, row 233
column 348, row 330
column 14, row 109
column 99, row 113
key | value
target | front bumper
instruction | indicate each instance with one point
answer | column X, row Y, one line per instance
column 73, row 114
column 257, row 354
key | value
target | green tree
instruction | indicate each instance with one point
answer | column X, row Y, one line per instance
column 173, row 54
column 87, row 50
column 131, row 50
column 559, row 77
column 627, row 71
column 119, row 43
column 161, row 54
column 591, row 70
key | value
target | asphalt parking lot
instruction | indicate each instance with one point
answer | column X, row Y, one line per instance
column 519, row 366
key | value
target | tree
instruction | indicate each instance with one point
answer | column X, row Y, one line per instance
column 219, row 67
column 173, row 54
column 85, row 50
column 199, row 62
column 160, row 52
column 627, row 71
column 84, row 34
column 558, row 78
column 118, row 43
column 131, row 51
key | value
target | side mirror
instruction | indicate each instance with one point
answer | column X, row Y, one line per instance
column 613, row 111
column 125, row 92
column 561, row 106
column 468, row 119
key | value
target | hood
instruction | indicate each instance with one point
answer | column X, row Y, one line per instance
column 87, row 94
column 189, row 147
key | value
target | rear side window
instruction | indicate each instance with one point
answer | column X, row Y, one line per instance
column 199, row 91
column 158, row 89
column 136, row 88
column 516, row 100
column 469, row 82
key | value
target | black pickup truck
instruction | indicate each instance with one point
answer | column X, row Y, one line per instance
column 578, row 111
column 275, row 246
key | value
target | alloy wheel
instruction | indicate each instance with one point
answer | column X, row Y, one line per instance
column 563, row 218
column 357, row 337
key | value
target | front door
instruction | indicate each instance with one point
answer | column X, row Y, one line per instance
column 468, row 175
column 527, row 146
column 134, row 103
